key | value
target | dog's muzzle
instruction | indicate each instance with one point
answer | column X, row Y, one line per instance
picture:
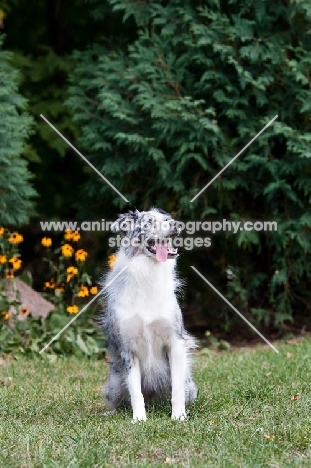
column 162, row 249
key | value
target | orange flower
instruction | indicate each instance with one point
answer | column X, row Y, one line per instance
column 59, row 290
column 17, row 263
column 46, row 242
column 94, row 290
column 24, row 311
column 3, row 259
column 67, row 250
column 71, row 271
column 112, row 260
column 49, row 284
column 81, row 255
column 83, row 291
column 9, row 274
column 68, row 234
column 72, row 309
column 15, row 238
column 5, row 315
column 75, row 236
column 1, row 231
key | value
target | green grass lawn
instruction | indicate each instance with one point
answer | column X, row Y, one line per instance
column 52, row 415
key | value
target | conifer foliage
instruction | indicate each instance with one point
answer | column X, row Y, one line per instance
column 162, row 116
column 16, row 192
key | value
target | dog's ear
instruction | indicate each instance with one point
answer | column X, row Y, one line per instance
column 125, row 222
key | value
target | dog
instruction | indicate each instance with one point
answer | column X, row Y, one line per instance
column 147, row 342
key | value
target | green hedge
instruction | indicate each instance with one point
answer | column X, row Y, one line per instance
column 163, row 116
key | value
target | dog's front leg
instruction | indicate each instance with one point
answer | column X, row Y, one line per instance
column 134, row 386
column 177, row 358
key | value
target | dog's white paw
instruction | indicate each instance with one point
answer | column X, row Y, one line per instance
column 179, row 416
column 137, row 418
column 110, row 413
column 136, row 421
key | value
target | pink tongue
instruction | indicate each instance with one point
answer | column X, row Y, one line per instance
column 161, row 253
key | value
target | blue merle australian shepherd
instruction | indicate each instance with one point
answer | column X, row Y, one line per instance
column 149, row 347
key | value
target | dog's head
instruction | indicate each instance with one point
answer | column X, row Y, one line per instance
column 149, row 233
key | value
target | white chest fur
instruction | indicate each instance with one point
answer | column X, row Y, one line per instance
column 147, row 307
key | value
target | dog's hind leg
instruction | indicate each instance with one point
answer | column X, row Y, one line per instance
column 191, row 390
column 114, row 391
column 134, row 386
column 178, row 363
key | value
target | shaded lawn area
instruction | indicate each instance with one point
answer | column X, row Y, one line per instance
column 52, row 415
